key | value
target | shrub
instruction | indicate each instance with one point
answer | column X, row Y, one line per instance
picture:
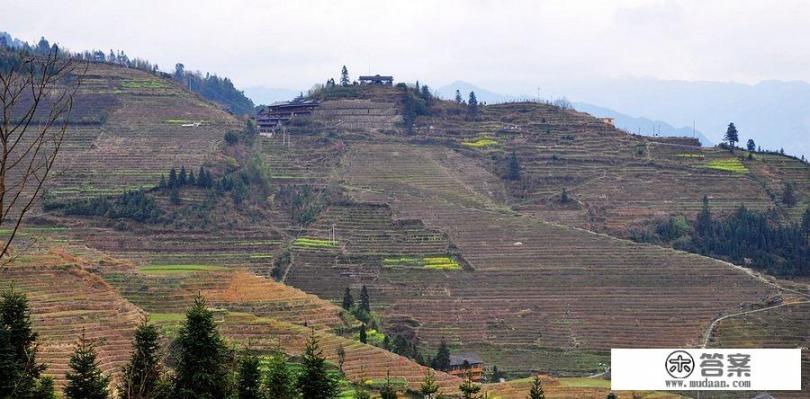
column 231, row 138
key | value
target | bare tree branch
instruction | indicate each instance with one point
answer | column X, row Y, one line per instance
column 37, row 93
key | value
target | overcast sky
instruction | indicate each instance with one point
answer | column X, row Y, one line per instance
column 512, row 46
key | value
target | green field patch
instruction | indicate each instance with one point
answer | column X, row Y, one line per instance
column 260, row 256
column 180, row 268
column 181, row 121
column 691, row 155
column 311, row 242
column 426, row 262
column 727, row 165
column 166, row 317
column 584, row 382
column 144, row 84
column 482, row 142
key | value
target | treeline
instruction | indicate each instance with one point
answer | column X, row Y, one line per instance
column 209, row 86
column 747, row 237
column 216, row 89
column 203, row 365
column 755, row 238
column 198, row 364
column 135, row 205
column 417, row 101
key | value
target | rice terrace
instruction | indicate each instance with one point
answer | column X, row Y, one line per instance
column 168, row 233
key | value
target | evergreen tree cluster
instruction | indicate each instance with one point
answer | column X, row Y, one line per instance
column 177, row 180
column 216, row 89
column 417, row 101
column 134, row 205
column 753, row 237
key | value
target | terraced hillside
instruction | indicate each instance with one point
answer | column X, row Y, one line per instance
column 540, row 296
column 128, row 130
column 784, row 326
column 616, row 180
column 67, row 301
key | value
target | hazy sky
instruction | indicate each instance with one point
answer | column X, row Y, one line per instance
column 509, row 46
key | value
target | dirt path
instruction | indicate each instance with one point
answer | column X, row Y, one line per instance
column 712, row 326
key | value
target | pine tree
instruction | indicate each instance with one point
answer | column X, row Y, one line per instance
column 731, row 135
column 365, row 301
column 496, row 374
column 427, row 96
column 388, row 391
column 429, row 387
column 249, row 378
column 45, row 389
column 363, row 337
column 806, row 222
column 172, row 178
column 280, row 384
column 314, row 382
column 162, row 183
column 174, row 196
column 19, row 370
column 192, row 180
column 472, row 106
column 703, row 222
column 182, row 178
column 513, row 172
column 459, row 100
column 201, row 178
column 789, row 195
column 202, row 356
column 751, row 145
column 84, row 380
column 442, row 360
column 142, row 374
column 536, row 391
column 344, row 77
column 611, row 396
column 360, row 391
column 348, row 301
column 469, row 389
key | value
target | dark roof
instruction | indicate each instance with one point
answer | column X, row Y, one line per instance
column 471, row 358
column 376, row 77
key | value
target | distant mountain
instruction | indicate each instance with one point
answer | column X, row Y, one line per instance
column 268, row 95
column 773, row 113
column 641, row 125
column 638, row 125
column 448, row 92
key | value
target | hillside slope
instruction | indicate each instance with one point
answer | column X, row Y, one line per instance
column 127, row 131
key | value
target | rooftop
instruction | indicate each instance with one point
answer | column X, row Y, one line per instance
column 471, row 358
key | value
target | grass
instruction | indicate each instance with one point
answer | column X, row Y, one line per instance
column 584, row 382
column 144, row 84
column 690, row 155
column 180, row 121
column 727, row 165
column 166, row 317
column 310, row 242
column 482, row 142
column 432, row 263
column 180, row 268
